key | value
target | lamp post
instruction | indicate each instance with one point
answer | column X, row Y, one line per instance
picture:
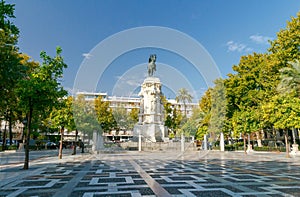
column 140, row 141
column 182, row 142
column 62, row 129
column 75, row 144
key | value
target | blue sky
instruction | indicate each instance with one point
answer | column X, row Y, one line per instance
column 226, row 30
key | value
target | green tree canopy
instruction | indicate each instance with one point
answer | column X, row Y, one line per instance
column 218, row 108
column 85, row 116
column 104, row 115
column 205, row 109
column 41, row 90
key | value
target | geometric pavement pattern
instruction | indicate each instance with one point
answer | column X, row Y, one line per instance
column 123, row 176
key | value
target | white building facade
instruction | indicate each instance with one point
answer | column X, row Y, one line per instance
column 134, row 102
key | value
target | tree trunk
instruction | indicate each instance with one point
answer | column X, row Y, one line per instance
column 74, row 148
column 275, row 138
column 26, row 161
column 61, row 142
column 259, row 136
column 10, row 127
column 294, row 136
column 4, row 138
column 184, row 105
column 286, row 143
column 21, row 144
column 245, row 151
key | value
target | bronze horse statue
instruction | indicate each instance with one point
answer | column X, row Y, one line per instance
column 151, row 65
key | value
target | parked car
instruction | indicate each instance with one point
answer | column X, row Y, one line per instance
column 51, row 145
column 13, row 142
column 277, row 143
column 280, row 144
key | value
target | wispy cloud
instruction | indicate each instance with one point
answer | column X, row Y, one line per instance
column 239, row 47
column 87, row 55
column 258, row 39
column 133, row 82
column 126, row 84
column 129, row 80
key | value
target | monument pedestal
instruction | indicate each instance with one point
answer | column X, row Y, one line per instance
column 151, row 116
column 97, row 142
column 151, row 132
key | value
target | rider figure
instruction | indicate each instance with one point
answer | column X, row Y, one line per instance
column 151, row 65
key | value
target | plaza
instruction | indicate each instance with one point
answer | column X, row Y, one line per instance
column 153, row 173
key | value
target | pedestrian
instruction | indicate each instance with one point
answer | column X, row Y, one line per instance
column 81, row 145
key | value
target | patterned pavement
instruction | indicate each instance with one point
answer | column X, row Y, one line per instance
column 155, row 174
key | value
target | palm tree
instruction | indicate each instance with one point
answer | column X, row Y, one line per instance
column 184, row 96
column 290, row 84
column 290, row 79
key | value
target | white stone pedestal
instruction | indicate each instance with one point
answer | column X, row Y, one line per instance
column 151, row 116
column 97, row 142
column 204, row 144
column 295, row 149
column 222, row 143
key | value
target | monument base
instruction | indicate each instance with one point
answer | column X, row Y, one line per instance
column 147, row 131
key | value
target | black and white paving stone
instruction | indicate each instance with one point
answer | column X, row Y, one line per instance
column 156, row 174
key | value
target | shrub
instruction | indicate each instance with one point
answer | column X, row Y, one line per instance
column 267, row 148
column 12, row 147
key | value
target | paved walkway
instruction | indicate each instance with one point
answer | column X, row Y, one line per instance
column 155, row 174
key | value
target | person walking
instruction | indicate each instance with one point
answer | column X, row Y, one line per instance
column 81, row 145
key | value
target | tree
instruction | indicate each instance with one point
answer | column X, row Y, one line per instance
column 133, row 118
column 125, row 120
column 218, row 107
column 251, row 87
column 287, row 44
column 173, row 118
column 10, row 67
column 104, row 115
column 289, row 89
column 284, row 113
column 61, row 118
column 7, row 11
column 286, row 50
column 290, row 79
column 11, row 109
column 252, row 104
column 40, row 91
column 205, row 108
column 183, row 96
column 191, row 126
column 168, row 114
column 244, row 122
column 85, row 115
column 120, row 116
column 11, row 70
column 253, row 82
